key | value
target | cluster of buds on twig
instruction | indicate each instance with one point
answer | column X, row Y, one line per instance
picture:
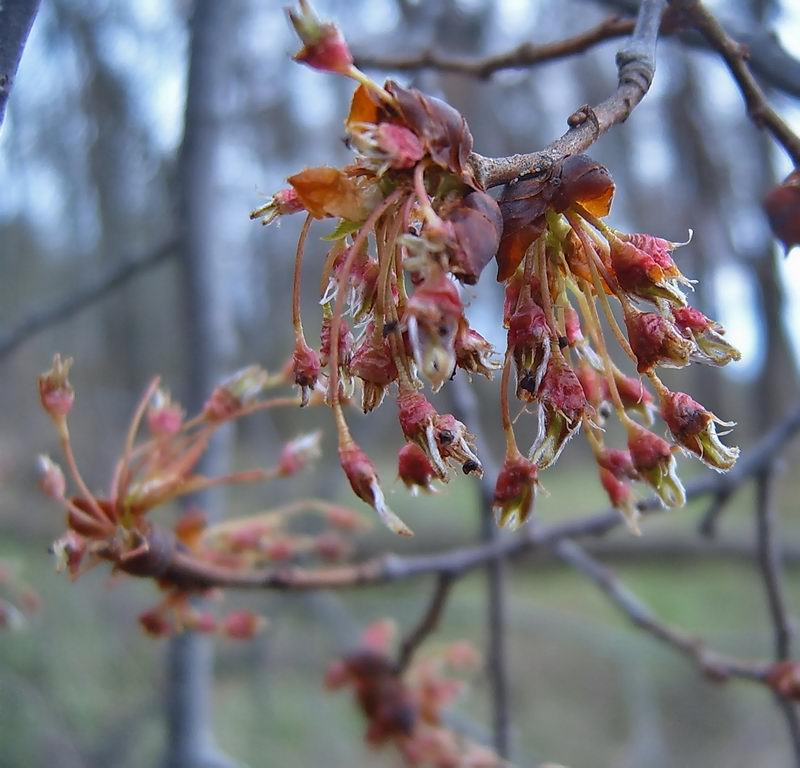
column 18, row 600
column 413, row 225
column 407, row 708
column 164, row 465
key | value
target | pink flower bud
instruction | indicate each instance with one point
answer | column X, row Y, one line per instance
column 618, row 462
column 345, row 343
column 643, row 266
column 51, row 478
column 529, row 342
column 279, row 549
column 298, row 453
column 343, row 518
column 330, row 546
column 363, row 479
column 514, row 491
column 433, row 316
column 621, row 498
column 235, row 392
column 417, row 420
column 154, row 623
column 652, row 457
column 324, row 47
column 656, row 341
column 474, row 354
column 282, row 203
column 562, row 407
column 372, row 362
column 712, row 348
column 242, row 625
column 164, row 417
column 306, row 368
column 415, row 469
column 55, row 392
column 694, row 429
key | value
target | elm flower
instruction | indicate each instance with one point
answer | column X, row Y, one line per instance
column 652, row 457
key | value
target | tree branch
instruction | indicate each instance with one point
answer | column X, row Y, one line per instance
column 524, row 55
column 769, row 562
column 184, row 570
column 16, row 19
column 735, row 56
column 94, row 289
column 427, row 625
column 715, row 666
column 768, row 59
column 636, row 67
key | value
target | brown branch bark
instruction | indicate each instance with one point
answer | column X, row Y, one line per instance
column 524, row 55
column 182, row 569
column 92, row 290
column 427, row 625
column 16, row 20
column 769, row 563
column 715, row 666
column 636, row 67
column 735, row 56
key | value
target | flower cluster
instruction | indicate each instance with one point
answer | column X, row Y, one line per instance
column 405, row 708
column 413, row 225
column 117, row 527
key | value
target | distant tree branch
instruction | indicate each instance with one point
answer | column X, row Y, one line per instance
column 736, row 57
column 428, row 624
column 92, row 290
column 767, row 58
column 716, row 666
column 769, row 562
column 636, row 67
column 16, row 19
column 524, row 55
column 180, row 568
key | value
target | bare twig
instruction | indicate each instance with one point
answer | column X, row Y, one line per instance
column 760, row 457
column 92, row 290
column 524, row 55
column 768, row 59
column 465, row 407
column 715, row 666
column 183, row 569
column 636, row 67
column 427, row 625
column 735, row 57
column 769, row 562
column 16, row 19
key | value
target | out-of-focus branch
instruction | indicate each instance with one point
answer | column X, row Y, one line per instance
column 757, row 459
column 92, row 290
column 524, row 55
column 16, row 20
column 714, row 665
column 768, row 59
column 735, row 56
column 636, row 67
column 427, row 625
column 769, row 562
column 164, row 561
column 465, row 407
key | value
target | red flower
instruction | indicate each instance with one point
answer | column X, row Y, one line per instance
column 514, row 491
column 656, row 341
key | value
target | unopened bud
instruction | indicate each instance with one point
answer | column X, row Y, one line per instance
column 55, row 391
column 51, row 477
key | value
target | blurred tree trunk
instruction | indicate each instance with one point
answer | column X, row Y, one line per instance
column 777, row 386
column 211, row 339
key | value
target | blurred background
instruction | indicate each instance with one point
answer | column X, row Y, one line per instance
column 113, row 154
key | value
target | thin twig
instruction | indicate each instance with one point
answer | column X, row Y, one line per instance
column 92, row 290
column 636, row 67
column 427, row 625
column 465, row 407
column 769, row 562
column 183, row 569
column 524, row 55
column 735, row 57
column 715, row 666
